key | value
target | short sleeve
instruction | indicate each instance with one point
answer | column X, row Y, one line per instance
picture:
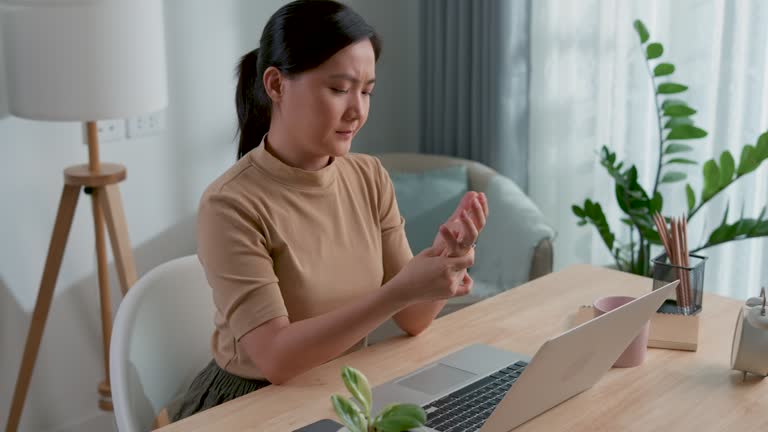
column 233, row 250
column 396, row 251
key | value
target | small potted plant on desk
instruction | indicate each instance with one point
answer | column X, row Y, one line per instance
column 357, row 417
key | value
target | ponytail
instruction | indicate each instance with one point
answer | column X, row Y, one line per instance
column 253, row 105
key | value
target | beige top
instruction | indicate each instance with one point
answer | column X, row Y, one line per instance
column 276, row 240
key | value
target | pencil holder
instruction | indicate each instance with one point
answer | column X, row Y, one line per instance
column 689, row 292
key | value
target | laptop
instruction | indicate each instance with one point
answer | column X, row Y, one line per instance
column 487, row 389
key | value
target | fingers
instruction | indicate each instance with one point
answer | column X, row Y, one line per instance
column 465, row 286
column 470, row 234
column 450, row 240
column 478, row 214
column 484, row 203
column 462, row 262
column 464, row 204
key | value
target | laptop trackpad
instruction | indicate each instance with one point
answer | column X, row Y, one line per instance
column 436, row 379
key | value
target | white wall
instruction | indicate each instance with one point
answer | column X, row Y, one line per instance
column 166, row 174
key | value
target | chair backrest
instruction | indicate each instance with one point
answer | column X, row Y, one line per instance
column 478, row 174
column 160, row 339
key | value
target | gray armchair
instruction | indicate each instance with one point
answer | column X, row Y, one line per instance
column 516, row 245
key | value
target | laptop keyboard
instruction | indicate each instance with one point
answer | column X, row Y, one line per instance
column 469, row 407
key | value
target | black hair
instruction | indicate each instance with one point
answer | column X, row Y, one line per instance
column 300, row 36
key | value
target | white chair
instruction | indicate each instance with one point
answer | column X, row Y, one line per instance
column 160, row 340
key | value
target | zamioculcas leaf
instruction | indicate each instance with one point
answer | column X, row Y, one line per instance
column 349, row 414
column 672, row 102
column 676, row 148
column 595, row 215
column 686, row 132
column 680, row 161
column 578, row 211
column 663, row 69
column 762, row 147
column 657, row 203
column 654, row 50
column 691, row 197
column 641, row 31
column 670, row 88
column 673, row 176
column 748, row 162
column 679, row 111
column 727, row 168
column 358, row 386
column 711, row 180
column 741, row 229
column 678, row 121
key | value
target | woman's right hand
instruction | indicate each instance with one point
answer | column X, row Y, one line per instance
column 432, row 275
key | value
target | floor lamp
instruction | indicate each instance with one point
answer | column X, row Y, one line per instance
column 83, row 60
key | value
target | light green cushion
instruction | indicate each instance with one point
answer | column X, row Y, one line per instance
column 427, row 199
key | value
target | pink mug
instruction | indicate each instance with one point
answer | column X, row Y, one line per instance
column 634, row 355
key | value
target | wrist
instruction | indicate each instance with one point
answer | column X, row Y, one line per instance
column 395, row 295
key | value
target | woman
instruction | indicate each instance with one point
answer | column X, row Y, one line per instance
column 301, row 241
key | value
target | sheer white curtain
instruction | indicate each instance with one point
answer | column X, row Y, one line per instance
column 589, row 88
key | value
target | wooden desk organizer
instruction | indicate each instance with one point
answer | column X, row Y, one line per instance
column 668, row 331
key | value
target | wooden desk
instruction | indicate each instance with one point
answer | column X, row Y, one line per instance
column 672, row 390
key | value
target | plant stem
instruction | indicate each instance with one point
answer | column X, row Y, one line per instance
column 701, row 204
column 707, row 245
column 660, row 127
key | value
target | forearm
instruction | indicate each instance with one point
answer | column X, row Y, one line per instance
column 305, row 344
column 415, row 318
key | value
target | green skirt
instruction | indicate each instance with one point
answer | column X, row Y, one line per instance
column 213, row 386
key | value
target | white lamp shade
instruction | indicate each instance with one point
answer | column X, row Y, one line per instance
column 83, row 61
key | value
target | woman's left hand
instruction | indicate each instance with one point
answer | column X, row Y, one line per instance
column 465, row 225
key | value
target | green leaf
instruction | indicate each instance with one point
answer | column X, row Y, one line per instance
column 641, row 31
column 400, row 417
column 748, row 161
column 686, row 132
column 762, row 147
column 349, row 414
column 671, row 88
column 672, row 102
column 739, row 230
column 680, row 161
column 657, row 203
column 711, row 180
column 676, row 148
column 678, row 111
column 578, row 211
column 727, row 168
column 654, row 50
column 673, row 176
column 678, row 121
column 595, row 216
column 691, row 197
column 358, row 386
column 663, row 69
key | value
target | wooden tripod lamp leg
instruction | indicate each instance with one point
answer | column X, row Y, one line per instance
column 105, row 389
column 112, row 206
column 58, row 243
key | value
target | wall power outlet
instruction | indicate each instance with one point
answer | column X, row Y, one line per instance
column 146, row 124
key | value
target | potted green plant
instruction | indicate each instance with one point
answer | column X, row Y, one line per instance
column 677, row 133
column 356, row 416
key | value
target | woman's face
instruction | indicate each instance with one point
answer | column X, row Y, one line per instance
column 323, row 109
